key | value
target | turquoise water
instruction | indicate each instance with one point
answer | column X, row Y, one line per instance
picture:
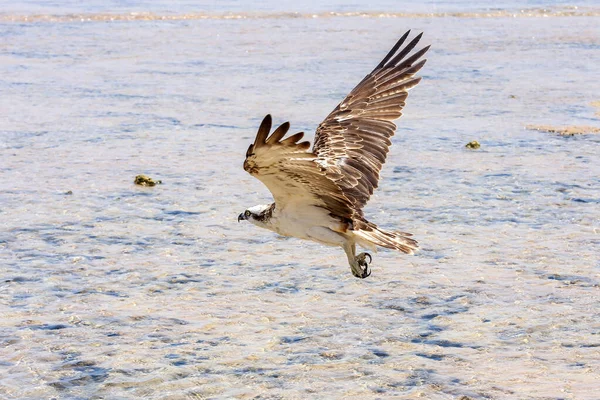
column 118, row 291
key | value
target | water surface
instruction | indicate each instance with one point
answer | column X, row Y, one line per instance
column 110, row 290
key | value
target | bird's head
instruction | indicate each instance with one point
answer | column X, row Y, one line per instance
column 258, row 215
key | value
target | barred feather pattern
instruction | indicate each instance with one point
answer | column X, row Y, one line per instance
column 351, row 145
column 290, row 172
column 354, row 139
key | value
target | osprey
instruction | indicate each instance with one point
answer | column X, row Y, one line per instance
column 319, row 194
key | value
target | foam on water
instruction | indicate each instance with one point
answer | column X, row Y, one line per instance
column 110, row 290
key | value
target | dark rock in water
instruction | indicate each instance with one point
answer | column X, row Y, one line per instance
column 474, row 145
column 436, row 357
column 48, row 327
column 144, row 180
column 291, row 339
column 380, row 353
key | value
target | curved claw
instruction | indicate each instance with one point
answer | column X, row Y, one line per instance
column 366, row 273
column 361, row 270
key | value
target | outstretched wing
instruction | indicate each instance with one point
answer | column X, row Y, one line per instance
column 353, row 141
column 290, row 172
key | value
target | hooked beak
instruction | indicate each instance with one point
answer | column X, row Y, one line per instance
column 241, row 217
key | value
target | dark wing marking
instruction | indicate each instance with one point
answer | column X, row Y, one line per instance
column 353, row 141
column 290, row 172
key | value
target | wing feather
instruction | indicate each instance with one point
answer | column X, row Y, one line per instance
column 402, row 53
column 279, row 133
column 291, row 172
column 295, row 138
column 353, row 141
column 351, row 144
column 263, row 130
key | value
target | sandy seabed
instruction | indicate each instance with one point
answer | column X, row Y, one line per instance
column 112, row 290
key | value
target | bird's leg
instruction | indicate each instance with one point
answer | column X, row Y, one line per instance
column 358, row 264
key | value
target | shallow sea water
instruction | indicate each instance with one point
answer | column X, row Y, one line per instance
column 116, row 291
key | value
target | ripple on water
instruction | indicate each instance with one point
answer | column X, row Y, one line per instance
column 117, row 291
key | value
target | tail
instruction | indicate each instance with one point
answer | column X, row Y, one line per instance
column 374, row 236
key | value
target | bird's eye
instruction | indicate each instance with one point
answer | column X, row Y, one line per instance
column 247, row 213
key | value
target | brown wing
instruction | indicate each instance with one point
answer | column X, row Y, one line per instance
column 290, row 172
column 353, row 141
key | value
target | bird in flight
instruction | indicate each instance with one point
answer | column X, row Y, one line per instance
column 320, row 193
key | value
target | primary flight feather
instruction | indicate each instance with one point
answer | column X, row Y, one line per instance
column 319, row 194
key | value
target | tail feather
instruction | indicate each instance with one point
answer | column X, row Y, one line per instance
column 390, row 240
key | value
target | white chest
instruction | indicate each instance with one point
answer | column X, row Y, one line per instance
column 306, row 222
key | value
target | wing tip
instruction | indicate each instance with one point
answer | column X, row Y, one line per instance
column 397, row 54
column 293, row 139
column 278, row 133
column 263, row 130
column 304, row 145
column 267, row 120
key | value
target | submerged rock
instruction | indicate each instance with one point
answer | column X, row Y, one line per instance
column 144, row 180
column 473, row 145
